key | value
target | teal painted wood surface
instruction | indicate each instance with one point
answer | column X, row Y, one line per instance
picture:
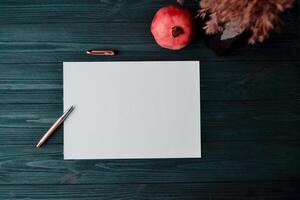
column 187, row 191
column 230, row 161
column 249, row 100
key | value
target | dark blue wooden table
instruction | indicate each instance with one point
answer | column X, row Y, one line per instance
column 250, row 101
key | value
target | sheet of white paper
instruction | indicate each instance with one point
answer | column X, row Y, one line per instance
column 132, row 110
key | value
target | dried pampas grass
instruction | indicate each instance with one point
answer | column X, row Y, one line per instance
column 259, row 16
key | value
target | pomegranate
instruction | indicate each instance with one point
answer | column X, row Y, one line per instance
column 172, row 27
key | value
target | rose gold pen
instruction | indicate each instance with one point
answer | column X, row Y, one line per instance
column 98, row 52
column 56, row 124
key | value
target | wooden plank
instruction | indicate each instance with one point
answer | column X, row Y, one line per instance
column 42, row 83
column 56, row 11
column 28, row 43
column 250, row 80
column 31, row 71
column 29, row 115
column 222, row 112
column 186, row 191
column 141, row 51
column 221, row 162
column 37, row 91
column 221, row 121
column 214, row 131
column 74, row 11
column 31, row 135
column 210, row 133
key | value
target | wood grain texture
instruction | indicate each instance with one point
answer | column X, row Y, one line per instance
column 221, row 162
column 42, row 83
column 70, row 11
column 221, row 191
column 250, row 107
column 67, row 42
column 131, row 38
column 221, row 121
column 78, row 11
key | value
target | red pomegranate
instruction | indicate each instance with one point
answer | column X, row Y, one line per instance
column 172, row 27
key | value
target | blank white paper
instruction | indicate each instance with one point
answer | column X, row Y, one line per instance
column 132, row 110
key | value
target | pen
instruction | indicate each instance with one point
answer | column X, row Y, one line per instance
column 98, row 52
column 56, row 124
